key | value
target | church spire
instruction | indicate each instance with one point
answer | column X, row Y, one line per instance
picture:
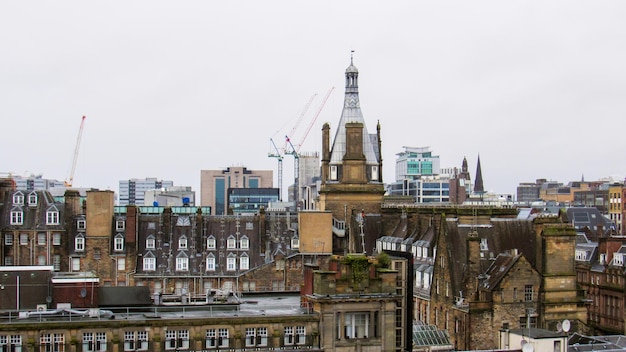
column 479, row 188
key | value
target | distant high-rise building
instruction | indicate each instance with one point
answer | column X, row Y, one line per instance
column 415, row 162
column 133, row 191
column 173, row 197
column 35, row 183
column 214, row 185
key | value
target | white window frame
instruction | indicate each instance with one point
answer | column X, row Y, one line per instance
column 244, row 243
column 223, row 338
column 182, row 242
column 52, row 342
column 8, row 239
column 149, row 264
column 210, row 243
column 119, row 243
column 231, row 243
column 17, row 217
column 41, row 238
column 75, row 263
column 24, row 238
column 295, row 243
column 93, row 342
column 120, row 225
column 356, row 325
column 52, row 217
column 244, row 263
column 182, row 264
column 18, row 198
column 121, row 264
column 210, row 263
column 135, row 340
column 56, row 239
column 56, row 262
column 79, row 243
column 333, row 173
column 176, row 340
column 150, row 242
column 32, row 199
column 81, row 224
column 374, row 172
column 231, row 264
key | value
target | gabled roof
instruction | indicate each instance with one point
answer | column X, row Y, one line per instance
column 498, row 270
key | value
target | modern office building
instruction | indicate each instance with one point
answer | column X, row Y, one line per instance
column 415, row 162
column 250, row 200
column 133, row 191
column 617, row 208
column 173, row 196
column 426, row 189
column 214, row 185
column 35, row 183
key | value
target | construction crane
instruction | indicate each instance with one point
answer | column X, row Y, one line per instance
column 317, row 113
column 70, row 180
column 296, row 169
column 302, row 114
column 278, row 156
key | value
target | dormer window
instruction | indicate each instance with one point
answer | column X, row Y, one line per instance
column 119, row 242
column 244, row 262
column 79, row 243
column 483, row 244
column 210, row 262
column 581, row 255
column 52, row 217
column 618, row 259
column 120, row 225
column 244, row 243
column 602, row 258
column 32, row 199
column 210, row 242
column 231, row 243
column 150, row 242
column 182, row 263
column 17, row 217
column 18, row 198
column 81, row 224
column 182, row 242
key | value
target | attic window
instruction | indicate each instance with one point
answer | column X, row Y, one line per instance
column 618, row 259
column 32, row 199
column 18, row 199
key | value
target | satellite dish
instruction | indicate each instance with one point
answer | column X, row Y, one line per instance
column 559, row 327
column 566, row 325
column 83, row 292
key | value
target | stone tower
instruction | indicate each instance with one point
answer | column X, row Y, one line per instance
column 352, row 185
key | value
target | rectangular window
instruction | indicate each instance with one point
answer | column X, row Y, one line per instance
column 249, row 225
column 41, row 260
column 17, row 218
column 176, row 339
column 182, row 243
column 244, row 243
column 75, row 264
column 52, row 342
column 8, row 239
column 56, row 262
column 41, row 239
column 528, row 293
column 120, row 225
column 81, row 224
column 223, row 340
column 8, row 260
column 356, row 325
column 94, row 342
column 333, row 172
column 32, row 199
column 79, row 244
column 18, row 199
column 119, row 243
column 210, row 264
column 121, row 264
column 211, row 339
column 256, row 337
column 231, row 243
column 135, row 341
column 244, row 263
column 295, row 243
column 210, row 243
column 231, row 264
column 23, row 239
column 150, row 243
column 52, row 218
column 10, row 343
column 56, row 239
column 149, row 264
column 182, row 264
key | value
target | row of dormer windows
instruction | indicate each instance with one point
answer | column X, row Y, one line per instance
column 17, row 217
column 211, row 243
column 182, row 263
column 18, row 198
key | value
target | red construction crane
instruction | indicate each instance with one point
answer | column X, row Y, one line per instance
column 70, row 180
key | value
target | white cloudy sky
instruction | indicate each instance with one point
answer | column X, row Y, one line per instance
column 537, row 88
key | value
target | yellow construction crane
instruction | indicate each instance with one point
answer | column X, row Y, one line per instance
column 70, row 180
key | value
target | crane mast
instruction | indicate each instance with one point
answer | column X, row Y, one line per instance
column 278, row 156
column 70, row 180
column 296, row 170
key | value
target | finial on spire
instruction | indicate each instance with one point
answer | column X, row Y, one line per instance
column 351, row 56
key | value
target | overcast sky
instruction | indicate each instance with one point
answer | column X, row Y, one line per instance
column 169, row 88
